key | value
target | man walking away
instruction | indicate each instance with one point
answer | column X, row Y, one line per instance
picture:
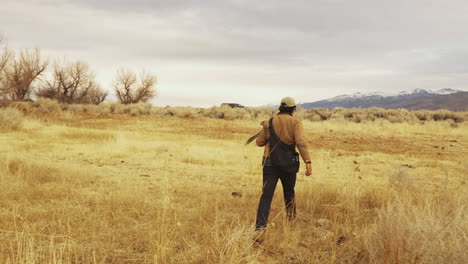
column 280, row 136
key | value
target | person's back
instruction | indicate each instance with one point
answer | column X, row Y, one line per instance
column 288, row 130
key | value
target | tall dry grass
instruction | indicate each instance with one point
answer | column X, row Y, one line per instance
column 10, row 119
column 155, row 189
column 55, row 216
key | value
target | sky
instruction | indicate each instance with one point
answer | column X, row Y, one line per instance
column 206, row 52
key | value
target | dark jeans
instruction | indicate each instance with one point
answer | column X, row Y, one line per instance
column 271, row 175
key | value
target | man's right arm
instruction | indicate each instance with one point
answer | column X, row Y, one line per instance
column 300, row 141
column 262, row 139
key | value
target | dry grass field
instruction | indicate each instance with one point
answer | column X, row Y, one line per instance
column 115, row 188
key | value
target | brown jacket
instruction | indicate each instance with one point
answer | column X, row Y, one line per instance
column 289, row 129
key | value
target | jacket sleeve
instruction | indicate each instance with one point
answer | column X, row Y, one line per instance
column 264, row 136
column 300, row 141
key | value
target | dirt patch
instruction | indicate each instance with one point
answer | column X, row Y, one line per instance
column 414, row 146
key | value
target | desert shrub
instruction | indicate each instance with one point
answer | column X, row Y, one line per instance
column 160, row 111
column 323, row 113
column 214, row 112
column 376, row 112
column 132, row 109
column 300, row 113
column 186, row 112
column 357, row 115
column 24, row 107
column 354, row 115
column 10, row 119
column 261, row 112
column 45, row 105
column 180, row 111
column 423, row 115
column 314, row 117
column 118, row 108
column 42, row 107
column 393, row 115
column 440, row 115
column 113, row 108
column 139, row 109
column 311, row 116
column 76, row 108
column 103, row 108
column 337, row 113
column 235, row 113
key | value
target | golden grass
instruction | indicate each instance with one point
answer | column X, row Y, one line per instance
column 10, row 119
column 150, row 189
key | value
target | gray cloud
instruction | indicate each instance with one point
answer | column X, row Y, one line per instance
column 296, row 30
column 327, row 45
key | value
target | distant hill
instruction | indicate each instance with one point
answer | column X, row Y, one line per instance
column 447, row 98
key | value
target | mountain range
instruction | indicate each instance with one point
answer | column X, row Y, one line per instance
column 447, row 98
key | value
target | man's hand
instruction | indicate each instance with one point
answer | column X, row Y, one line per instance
column 308, row 169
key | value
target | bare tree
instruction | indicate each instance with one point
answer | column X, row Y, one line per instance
column 20, row 73
column 73, row 83
column 130, row 90
column 96, row 96
column 5, row 56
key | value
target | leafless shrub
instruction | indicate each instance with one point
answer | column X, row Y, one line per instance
column 96, row 96
column 20, row 73
column 130, row 90
column 73, row 82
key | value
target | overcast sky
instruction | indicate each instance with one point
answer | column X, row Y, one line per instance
column 205, row 52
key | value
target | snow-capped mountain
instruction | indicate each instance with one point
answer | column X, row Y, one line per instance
column 415, row 91
column 443, row 91
column 357, row 95
column 447, row 91
column 405, row 99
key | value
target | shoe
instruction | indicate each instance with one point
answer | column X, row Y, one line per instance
column 259, row 238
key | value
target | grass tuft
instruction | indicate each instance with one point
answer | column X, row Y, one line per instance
column 10, row 119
